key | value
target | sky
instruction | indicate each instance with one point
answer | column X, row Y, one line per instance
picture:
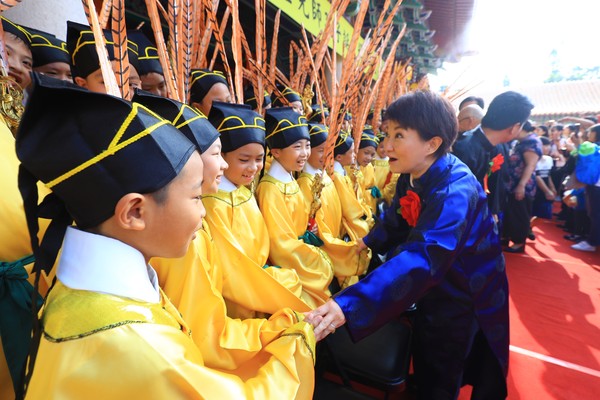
column 512, row 40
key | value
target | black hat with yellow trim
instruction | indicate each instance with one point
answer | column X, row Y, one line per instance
column 285, row 127
column 288, row 96
column 343, row 143
column 202, row 80
column 318, row 134
column 318, row 114
column 191, row 122
column 250, row 99
column 82, row 48
column 90, row 149
column 368, row 138
column 47, row 48
column 17, row 30
column 148, row 60
column 238, row 125
column 132, row 54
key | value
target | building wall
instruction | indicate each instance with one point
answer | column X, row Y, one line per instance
column 47, row 15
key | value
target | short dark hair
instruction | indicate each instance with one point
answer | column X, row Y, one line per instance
column 573, row 127
column 528, row 126
column 507, row 109
column 427, row 113
column 558, row 127
column 545, row 141
column 478, row 100
column 545, row 129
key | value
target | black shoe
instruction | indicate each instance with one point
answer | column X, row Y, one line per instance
column 531, row 236
column 504, row 242
column 515, row 249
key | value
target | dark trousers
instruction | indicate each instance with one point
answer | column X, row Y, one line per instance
column 516, row 219
column 593, row 204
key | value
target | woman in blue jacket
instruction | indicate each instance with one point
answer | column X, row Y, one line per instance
column 446, row 257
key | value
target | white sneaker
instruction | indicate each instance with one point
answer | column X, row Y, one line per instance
column 584, row 246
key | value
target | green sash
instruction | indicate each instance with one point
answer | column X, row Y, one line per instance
column 15, row 315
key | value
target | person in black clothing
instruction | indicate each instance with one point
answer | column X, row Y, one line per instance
column 502, row 123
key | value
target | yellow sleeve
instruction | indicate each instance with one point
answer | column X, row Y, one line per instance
column 389, row 190
column 224, row 342
column 380, row 170
column 152, row 361
column 286, row 214
column 354, row 214
column 369, row 182
column 240, row 235
column 15, row 242
column 346, row 261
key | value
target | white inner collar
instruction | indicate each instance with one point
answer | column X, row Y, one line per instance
column 101, row 264
column 278, row 172
column 309, row 169
column 226, row 185
column 337, row 167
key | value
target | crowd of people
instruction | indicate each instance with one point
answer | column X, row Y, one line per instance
column 200, row 249
column 556, row 161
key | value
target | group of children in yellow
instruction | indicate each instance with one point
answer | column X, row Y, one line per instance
column 198, row 239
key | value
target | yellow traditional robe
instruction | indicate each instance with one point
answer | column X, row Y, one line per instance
column 347, row 263
column 368, row 183
column 286, row 214
column 384, row 179
column 14, row 234
column 193, row 283
column 102, row 346
column 353, row 211
column 240, row 235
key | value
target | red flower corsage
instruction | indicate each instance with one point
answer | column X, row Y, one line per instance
column 495, row 165
column 410, row 207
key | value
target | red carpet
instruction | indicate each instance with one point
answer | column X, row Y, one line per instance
column 555, row 319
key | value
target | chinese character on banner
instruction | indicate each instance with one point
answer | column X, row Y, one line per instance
column 302, row 6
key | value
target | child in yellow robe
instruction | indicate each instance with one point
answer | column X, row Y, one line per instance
column 284, row 208
column 133, row 186
column 356, row 214
column 384, row 178
column 366, row 152
column 339, row 241
column 195, row 282
column 250, row 285
column 16, row 254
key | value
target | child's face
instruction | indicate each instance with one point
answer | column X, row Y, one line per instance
column 293, row 157
column 244, row 163
column 58, row 70
column 94, row 82
column 214, row 166
column 297, row 107
column 347, row 158
column 365, row 155
column 20, row 62
column 218, row 92
column 546, row 149
column 173, row 224
column 316, row 158
column 154, row 83
column 381, row 149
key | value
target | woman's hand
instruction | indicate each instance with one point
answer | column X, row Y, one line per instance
column 326, row 319
column 519, row 193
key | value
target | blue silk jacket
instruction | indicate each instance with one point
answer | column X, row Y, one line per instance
column 450, row 264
